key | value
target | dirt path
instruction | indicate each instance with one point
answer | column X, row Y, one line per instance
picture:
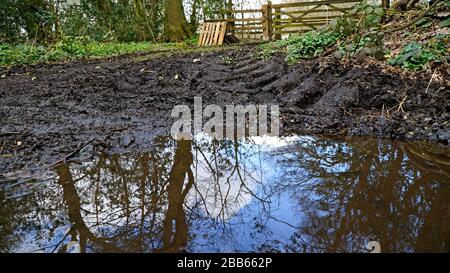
column 49, row 110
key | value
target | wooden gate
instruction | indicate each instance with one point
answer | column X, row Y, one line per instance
column 306, row 16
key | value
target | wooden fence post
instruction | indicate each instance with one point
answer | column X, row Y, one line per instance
column 267, row 21
column 277, row 23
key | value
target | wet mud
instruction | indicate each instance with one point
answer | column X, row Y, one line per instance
column 119, row 105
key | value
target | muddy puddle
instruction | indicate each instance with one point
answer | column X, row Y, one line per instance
column 291, row 194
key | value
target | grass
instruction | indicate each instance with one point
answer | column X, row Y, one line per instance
column 72, row 49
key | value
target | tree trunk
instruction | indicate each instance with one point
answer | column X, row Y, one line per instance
column 37, row 28
column 104, row 6
column 194, row 20
column 176, row 27
column 138, row 8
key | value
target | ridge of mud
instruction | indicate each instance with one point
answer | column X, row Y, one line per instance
column 49, row 110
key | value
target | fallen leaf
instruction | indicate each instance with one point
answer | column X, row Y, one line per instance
column 177, row 77
column 34, row 78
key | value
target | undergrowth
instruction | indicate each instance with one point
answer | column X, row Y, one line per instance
column 71, row 49
column 305, row 46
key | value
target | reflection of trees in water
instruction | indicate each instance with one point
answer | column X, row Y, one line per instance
column 130, row 203
column 175, row 229
column 21, row 217
column 228, row 177
column 359, row 191
column 113, row 204
column 198, row 195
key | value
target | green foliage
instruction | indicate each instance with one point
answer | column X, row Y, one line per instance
column 118, row 21
column 371, row 15
column 417, row 56
column 20, row 54
column 308, row 45
column 364, row 34
column 22, row 20
column 445, row 23
column 73, row 49
column 45, row 21
column 192, row 41
column 210, row 8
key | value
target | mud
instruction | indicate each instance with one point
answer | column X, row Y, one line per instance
column 119, row 105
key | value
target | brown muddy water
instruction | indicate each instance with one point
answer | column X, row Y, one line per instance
column 290, row 194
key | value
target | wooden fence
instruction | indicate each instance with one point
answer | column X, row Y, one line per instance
column 248, row 23
column 273, row 21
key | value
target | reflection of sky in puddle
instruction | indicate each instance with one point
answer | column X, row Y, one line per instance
column 292, row 194
column 247, row 214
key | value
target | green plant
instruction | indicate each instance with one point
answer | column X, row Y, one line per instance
column 364, row 34
column 445, row 23
column 417, row 56
column 310, row 45
column 74, row 49
column 192, row 41
column 305, row 46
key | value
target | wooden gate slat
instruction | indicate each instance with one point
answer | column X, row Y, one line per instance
column 223, row 30
column 202, row 34
column 205, row 39
column 211, row 34
column 216, row 34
